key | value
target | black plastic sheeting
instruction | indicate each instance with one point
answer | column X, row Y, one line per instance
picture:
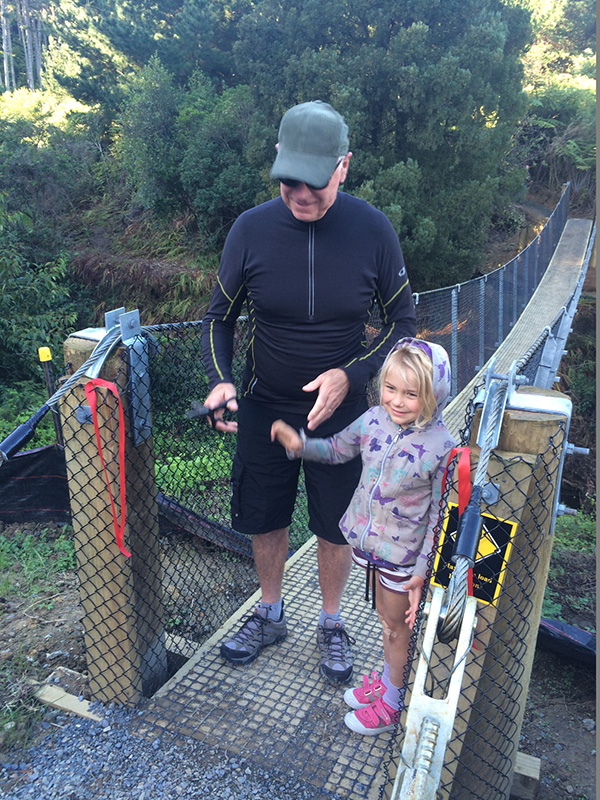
column 567, row 640
column 33, row 488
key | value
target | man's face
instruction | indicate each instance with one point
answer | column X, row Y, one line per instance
column 309, row 205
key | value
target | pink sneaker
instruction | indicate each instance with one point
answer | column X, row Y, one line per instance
column 372, row 719
column 364, row 695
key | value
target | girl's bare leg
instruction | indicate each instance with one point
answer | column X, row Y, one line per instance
column 392, row 608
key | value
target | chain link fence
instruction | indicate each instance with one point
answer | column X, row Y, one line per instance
column 482, row 752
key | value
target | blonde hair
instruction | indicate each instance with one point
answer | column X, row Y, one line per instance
column 419, row 363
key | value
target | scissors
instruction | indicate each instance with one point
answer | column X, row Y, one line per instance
column 200, row 410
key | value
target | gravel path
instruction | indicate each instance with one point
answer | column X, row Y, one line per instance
column 82, row 759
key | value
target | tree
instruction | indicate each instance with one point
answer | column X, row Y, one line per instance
column 186, row 151
column 435, row 84
column 184, row 34
column 565, row 39
column 200, row 36
column 26, row 18
column 35, row 307
column 47, row 159
column 10, row 81
column 81, row 59
column 215, row 172
column 398, row 192
column 96, row 46
column 147, row 145
column 556, row 139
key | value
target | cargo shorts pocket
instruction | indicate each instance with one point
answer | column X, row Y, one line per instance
column 237, row 477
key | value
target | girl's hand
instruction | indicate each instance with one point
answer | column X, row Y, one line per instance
column 415, row 589
column 287, row 436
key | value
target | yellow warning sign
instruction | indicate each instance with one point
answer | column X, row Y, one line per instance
column 493, row 554
column 488, row 546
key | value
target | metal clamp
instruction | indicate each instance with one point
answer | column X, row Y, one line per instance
column 572, row 450
column 83, row 415
column 495, row 383
column 562, row 509
column 111, row 319
column 139, row 375
column 430, row 720
column 123, row 326
column 490, row 493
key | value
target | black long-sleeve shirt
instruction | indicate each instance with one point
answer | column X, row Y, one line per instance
column 309, row 287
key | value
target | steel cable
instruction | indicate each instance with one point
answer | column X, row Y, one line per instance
column 458, row 585
column 16, row 440
column 100, row 352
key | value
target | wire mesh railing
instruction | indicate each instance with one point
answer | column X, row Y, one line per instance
column 509, row 555
column 470, row 320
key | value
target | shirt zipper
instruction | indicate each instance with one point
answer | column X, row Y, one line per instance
column 311, row 271
column 372, row 492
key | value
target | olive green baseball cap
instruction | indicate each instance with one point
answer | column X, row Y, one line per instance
column 312, row 138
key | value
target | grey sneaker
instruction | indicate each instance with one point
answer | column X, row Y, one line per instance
column 256, row 632
column 337, row 663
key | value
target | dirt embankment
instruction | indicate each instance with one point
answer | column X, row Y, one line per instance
column 116, row 259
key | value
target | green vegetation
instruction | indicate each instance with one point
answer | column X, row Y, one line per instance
column 576, row 533
column 35, row 306
column 184, row 478
column 577, row 379
column 571, row 591
column 35, row 311
column 141, row 130
column 20, row 710
column 30, row 564
column 18, row 402
column 557, row 136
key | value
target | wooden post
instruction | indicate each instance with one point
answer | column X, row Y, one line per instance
column 501, row 670
column 121, row 597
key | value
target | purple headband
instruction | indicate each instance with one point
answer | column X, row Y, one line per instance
column 408, row 342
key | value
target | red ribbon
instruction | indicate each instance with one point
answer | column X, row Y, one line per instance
column 90, row 393
column 463, row 467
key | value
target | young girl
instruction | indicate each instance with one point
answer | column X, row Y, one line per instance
column 390, row 522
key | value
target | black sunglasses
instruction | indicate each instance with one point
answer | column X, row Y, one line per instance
column 292, row 184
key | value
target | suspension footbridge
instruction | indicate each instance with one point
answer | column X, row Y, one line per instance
column 154, row 622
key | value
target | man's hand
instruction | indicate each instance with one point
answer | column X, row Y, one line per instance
column 333, row 386
column 219, row 394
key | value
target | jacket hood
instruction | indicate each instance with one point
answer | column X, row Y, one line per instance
column 441, row 368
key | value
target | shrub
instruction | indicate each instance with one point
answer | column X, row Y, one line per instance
column 35, row 306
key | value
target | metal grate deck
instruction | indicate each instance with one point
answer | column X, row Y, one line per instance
column 278, row 712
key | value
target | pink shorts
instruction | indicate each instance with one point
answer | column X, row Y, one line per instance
column 391, row 578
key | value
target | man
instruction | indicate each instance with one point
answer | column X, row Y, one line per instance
column 309, row 264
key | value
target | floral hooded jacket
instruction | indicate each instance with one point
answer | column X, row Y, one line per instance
column 395, row 507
